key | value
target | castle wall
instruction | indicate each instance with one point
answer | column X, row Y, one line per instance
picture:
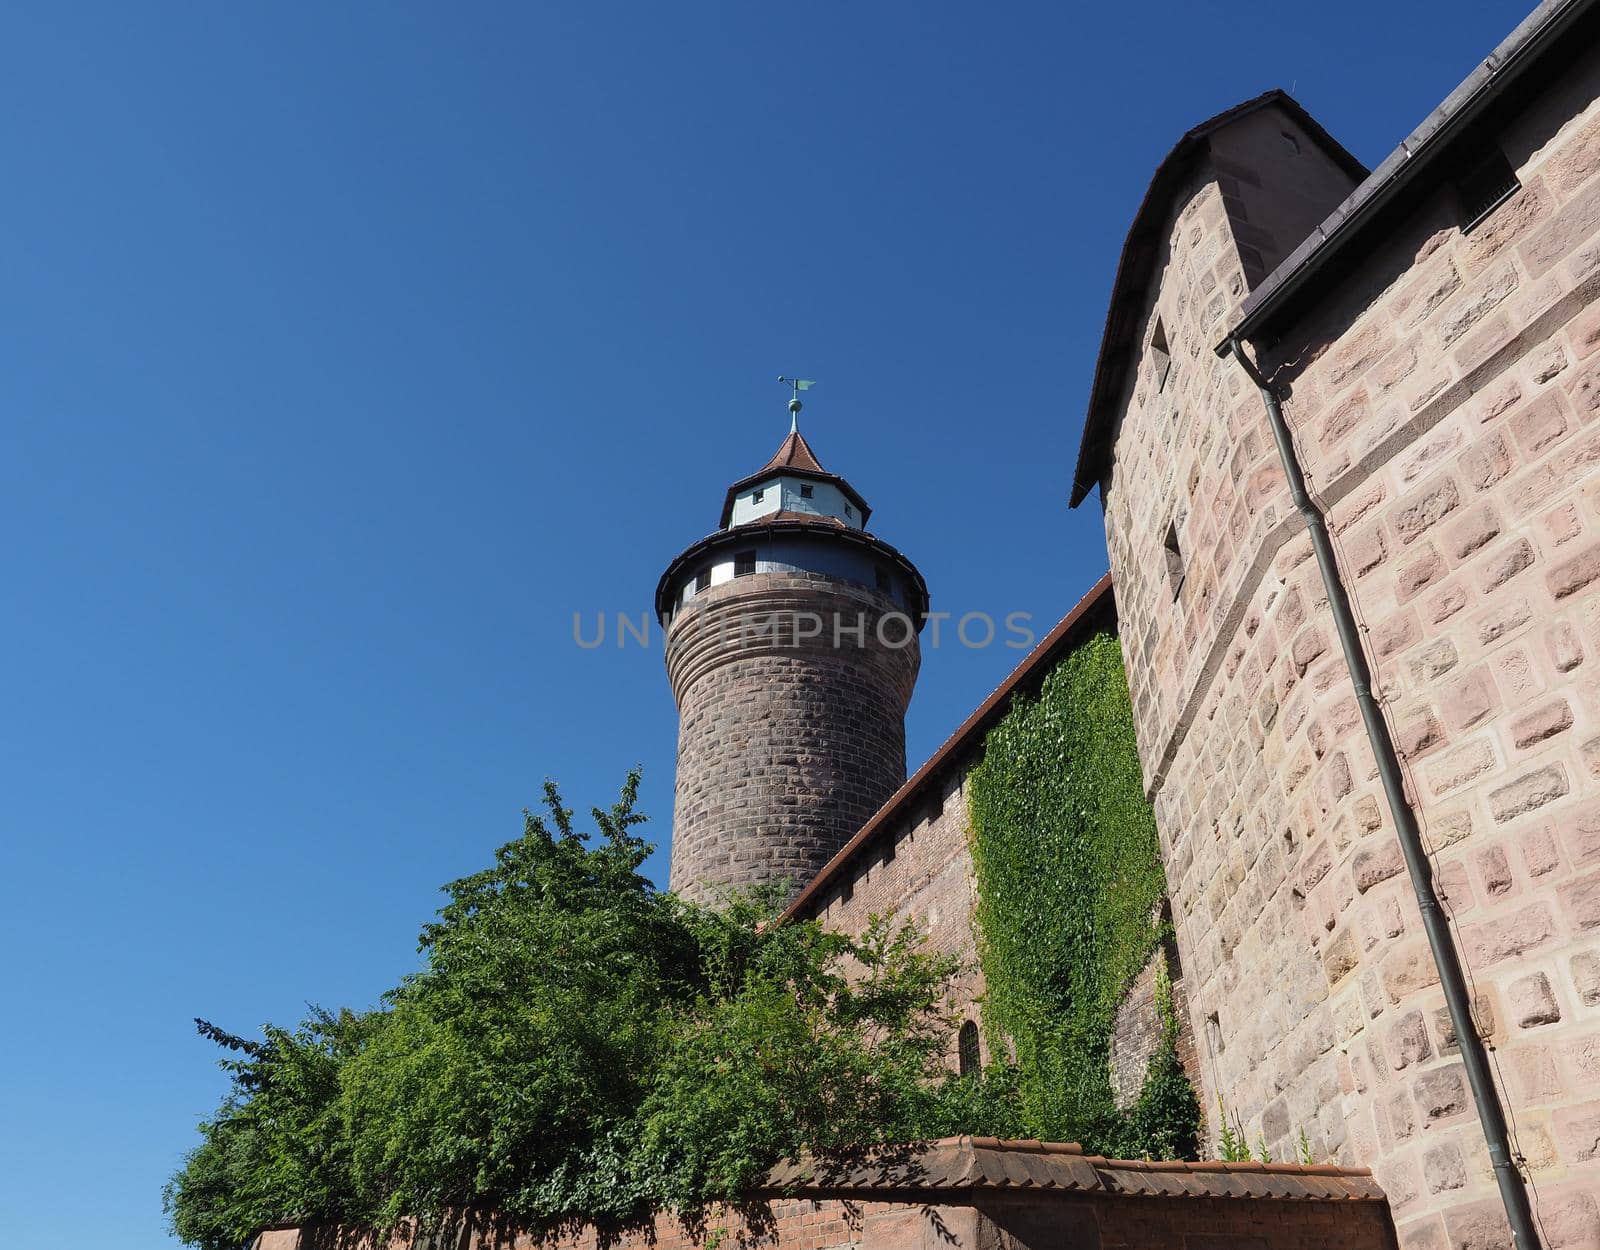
column 1446, row 403
column 787, row 743
column 920, row 870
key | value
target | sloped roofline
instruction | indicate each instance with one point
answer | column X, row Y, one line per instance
column 1086, row 614
column 1137, row 263
column 1405, row 170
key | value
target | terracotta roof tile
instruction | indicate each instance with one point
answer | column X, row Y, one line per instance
column 966, row 1163
column 795, row 453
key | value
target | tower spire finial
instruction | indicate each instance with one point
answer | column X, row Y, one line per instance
column 796, row 385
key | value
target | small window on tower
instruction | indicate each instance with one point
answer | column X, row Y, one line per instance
column 849, row 511
column 1174, row 558
column 1160, row 355
column 885, row 584
column 755, row 495
column 702, row 579
column 1484, row 185
column 805, row 492
column 968, row 1057
column 744, row 563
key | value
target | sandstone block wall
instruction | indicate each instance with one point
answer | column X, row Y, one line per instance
column 1446, row 404
column 788, row 740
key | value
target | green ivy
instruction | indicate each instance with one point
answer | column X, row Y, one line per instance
column 1069, row 890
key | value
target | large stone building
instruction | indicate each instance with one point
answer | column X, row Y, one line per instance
column 1429, row 336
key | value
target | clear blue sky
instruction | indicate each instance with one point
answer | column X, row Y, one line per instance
column 350, row 349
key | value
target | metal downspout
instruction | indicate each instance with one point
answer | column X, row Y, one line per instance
column 1474, row 1056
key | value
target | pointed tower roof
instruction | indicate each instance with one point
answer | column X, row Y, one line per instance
column 794, row 458
column 795, row 453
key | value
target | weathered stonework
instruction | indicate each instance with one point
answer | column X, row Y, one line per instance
column 974, row 1193
column 791, row 725
column 1445, row 402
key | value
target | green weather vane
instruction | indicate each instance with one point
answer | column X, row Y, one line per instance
column 796, row 385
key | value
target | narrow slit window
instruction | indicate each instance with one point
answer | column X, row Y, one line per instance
column 968, row 1058
column 805, row 492
column 744, row 563
column 1485, row 185
column 847, row 891
column 1173, row 555
column 1160, row 356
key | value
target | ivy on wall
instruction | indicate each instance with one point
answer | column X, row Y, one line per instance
column 1069, row 890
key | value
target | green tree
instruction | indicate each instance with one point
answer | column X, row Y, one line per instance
column 582, row 1048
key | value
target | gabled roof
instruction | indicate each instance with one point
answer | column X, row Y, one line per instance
column 1094, row 610
column 1551, row 34
column 794, row 458
column 1137, row 263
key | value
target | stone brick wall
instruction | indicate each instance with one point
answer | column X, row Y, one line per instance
column 1101, row 1205
column 787, row 743
column 919, row 869
column 1445, row 401
column 1038, row 1223
column 1136, row 1032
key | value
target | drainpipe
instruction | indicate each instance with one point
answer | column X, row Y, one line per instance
column 1474, row 1055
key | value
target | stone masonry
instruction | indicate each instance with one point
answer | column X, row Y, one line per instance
column 1445, row 400
column 975, row 1193
column 788, row 740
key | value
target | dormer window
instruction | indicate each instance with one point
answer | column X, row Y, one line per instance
column 1160, row 356
column 1485, row 185
column 805, row 492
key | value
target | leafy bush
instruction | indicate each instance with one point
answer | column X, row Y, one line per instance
column 581, row 1048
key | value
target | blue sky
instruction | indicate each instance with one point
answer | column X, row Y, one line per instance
column 349, row 350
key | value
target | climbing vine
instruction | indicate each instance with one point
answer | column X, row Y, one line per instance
column 1069, row 892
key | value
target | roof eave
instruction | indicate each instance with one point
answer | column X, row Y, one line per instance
column 1420, row 152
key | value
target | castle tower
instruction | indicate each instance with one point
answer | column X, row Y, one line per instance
column 792, row 652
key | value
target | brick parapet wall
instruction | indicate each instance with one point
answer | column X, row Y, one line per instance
column 1446, row 403
column 919, row 870
column 788, row 739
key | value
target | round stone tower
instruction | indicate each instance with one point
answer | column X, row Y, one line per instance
column 792, row 651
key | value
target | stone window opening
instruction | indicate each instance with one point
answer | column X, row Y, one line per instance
column 935, row 806
column 805, row 492
column 968, row 1057
column 744, row 563
column 1160, row 355
column 1173, row 554
column 1214, row 1033
column 847, row 891
column 1484, row 184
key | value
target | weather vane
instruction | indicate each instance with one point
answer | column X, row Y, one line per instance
column 796, row 385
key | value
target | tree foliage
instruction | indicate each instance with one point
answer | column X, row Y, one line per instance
column 582, row 1048
column 1069, row 890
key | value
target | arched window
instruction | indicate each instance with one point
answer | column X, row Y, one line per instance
column 967, row 1056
